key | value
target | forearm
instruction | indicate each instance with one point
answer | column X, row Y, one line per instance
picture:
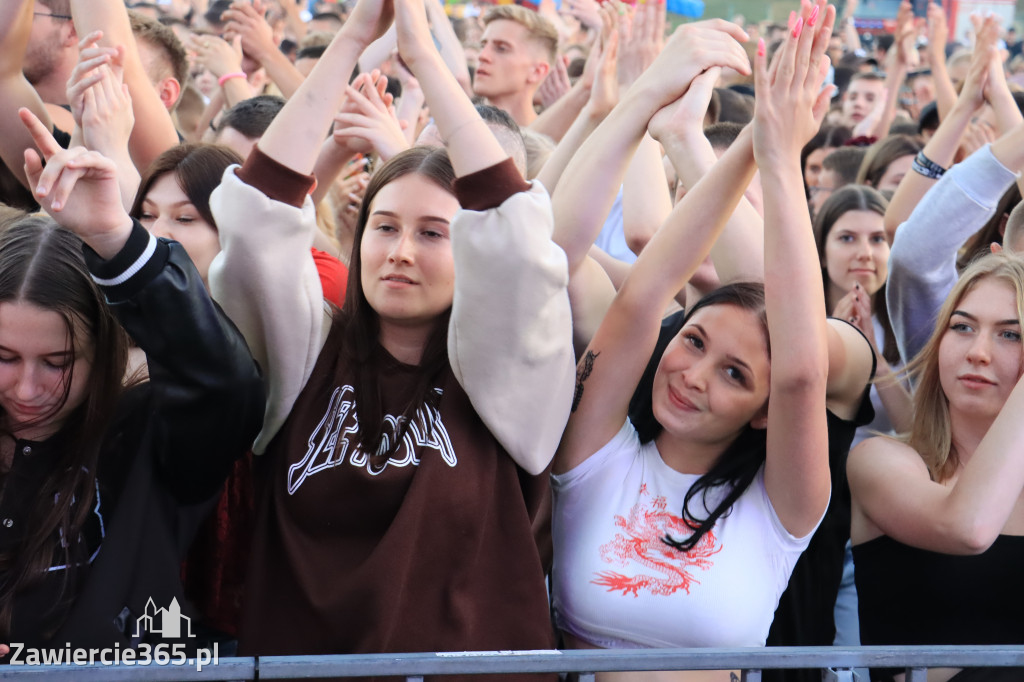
column 282, row 72
column 376, row 53
column 585, row 124
column 556, row 120
column 895, row 397
column 682, row 243
column 646, row 202
column 329, row 164
column 448, row 44
column 158, row 134
column 294, row 137
column 587, row 188
column 893, row 82
column 235, row 90
column 792, row 280
column 945, row 93
column 738, row 253
column 941, row 149
column 922, row 263
column 456, row 118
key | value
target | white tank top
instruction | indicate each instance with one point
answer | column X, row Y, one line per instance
column 617, row 585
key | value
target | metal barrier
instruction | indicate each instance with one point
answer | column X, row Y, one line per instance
column 836, row 662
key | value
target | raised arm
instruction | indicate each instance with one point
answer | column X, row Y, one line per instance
column 619, row 351
column 938, row 34
column 265, row 277
column 15, row 90
column 942, row 147
column 922, row 263
column 207, row 390
column 894, row 494
column 788, row 111
column 738, row 254
column 246, row 20
column 510, row 334
column 158, row 134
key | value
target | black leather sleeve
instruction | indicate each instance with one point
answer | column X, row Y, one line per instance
column 207, row 392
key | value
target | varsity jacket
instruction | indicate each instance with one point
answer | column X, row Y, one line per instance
column 163, row 460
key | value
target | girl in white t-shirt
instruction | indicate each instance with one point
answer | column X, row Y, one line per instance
column 689, row 539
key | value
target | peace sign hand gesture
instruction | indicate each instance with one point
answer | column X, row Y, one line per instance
column 78, row 188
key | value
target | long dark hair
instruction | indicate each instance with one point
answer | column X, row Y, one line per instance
column 361, row 323
column 738, row 465
column 42, row 264
column 857, row 198
column 197, row 168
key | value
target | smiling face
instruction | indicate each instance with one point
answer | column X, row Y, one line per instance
column 407, row 271
column 856, row 250
column 713, row 378
column 980, row 358
column 36, row 362
column 168, row 212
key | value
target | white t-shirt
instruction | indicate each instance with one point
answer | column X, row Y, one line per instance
column 616, row 584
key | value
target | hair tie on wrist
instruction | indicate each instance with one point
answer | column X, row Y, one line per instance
column 228, row 76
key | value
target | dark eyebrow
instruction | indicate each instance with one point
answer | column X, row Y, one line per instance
column 1001, row 323
column 732, row 358
column 430, row 218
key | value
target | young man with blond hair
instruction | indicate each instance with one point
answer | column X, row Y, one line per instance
column 517, row 50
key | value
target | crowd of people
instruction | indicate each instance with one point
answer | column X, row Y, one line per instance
column 376, row 327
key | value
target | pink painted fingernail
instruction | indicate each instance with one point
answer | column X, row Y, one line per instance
column 760, row 47
column 814, row 16
column 798, row 28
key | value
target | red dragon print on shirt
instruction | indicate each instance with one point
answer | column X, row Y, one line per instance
column 640, row 542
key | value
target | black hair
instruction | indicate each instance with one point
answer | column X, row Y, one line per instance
column 738, row 465
column 252, row 116
column 311, row 52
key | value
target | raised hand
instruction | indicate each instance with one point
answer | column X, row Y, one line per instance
column 217, row 54
column 791, row 102
column 643, row 40
column 691, row 50
column 78, row 188
column 602, row 65
column 587, row 11
column 685, row 116
column 855, row 308
column 555, row 85
column 938, row 31
column 367, row 122
column 86, row 72
column 369, row 19
column 906, row 37
column 245, row 20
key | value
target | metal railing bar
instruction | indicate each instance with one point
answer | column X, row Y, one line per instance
column 751, row 660
column 600, row 660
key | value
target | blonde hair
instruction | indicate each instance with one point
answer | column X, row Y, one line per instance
column 541, row 30
column 931, row 433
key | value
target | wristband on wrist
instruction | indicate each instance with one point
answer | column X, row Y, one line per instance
column 926, row 167
column 228, row 76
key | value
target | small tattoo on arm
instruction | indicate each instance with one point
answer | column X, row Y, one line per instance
column 583, row 371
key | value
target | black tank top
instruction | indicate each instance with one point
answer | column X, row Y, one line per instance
column 910, row 596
